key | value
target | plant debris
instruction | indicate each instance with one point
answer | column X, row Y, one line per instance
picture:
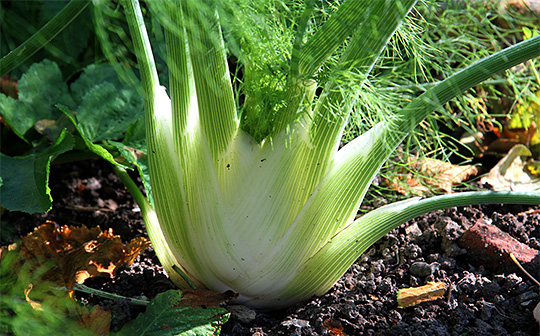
column 513, row 173
column 408, row 297
column 54, row 257
column 423, row 176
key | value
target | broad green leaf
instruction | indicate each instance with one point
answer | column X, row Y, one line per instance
column 25, row 179
column 17, row 114
column 136, row 136
column 41, row 87
column 94, row 148
column 165, row 316
column 92, row 75
column 106, row 112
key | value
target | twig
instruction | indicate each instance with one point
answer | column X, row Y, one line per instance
column 524, row 271
column 88, row 290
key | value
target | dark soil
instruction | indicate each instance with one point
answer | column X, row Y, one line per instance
column 478, row 301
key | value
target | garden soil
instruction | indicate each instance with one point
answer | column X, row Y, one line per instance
column 478, row 300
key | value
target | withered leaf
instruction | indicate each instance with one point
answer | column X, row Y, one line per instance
column 79, row 252
column 427, row 174
column 203, row 298
column 334, row 326
column 62, row 256
column 95, row 318
column 513, row 173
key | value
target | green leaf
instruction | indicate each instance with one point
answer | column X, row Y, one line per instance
column 39, row 89
column 94, row 148
column 136, row 136
column 106, row 113
column 17, row 114
column 25, row 179
column 165, row 316
column 92, row 75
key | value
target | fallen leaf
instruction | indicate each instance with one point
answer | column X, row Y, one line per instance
column 79, row 252
column 334, row 326
column 8, row 87
column 95, row 318
column 512, row 136
column 203, row 298
column 412, row 296
column 63, row 256
column 425, row 175
column 513, row 173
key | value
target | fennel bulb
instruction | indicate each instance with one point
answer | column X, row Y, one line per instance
column 273, row 218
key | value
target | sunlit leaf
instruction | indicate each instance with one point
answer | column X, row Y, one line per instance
column 426, row 175
column 514, row 173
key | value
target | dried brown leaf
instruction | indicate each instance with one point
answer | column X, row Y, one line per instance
column 79, row 252
column 430, row 174
column 68, row 255
column 95, row 319
column 513, row 173
column 334, row 326
column 202, row 298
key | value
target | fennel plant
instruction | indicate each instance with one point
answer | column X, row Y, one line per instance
column 255, row 197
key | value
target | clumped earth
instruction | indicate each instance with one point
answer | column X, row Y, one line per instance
column 478, row 301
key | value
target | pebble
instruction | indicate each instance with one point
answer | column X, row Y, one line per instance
column 527, row 296
column 241, row 313
column 422, row 269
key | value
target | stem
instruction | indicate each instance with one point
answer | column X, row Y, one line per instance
column 143, row 49
column 299, row 39
column 346, row 246
column 465, row 79
column 133, row 189
column 43, row 36
column 426, row 86
column 93, row 291
column 160, row 245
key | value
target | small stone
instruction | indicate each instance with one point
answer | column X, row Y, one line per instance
column 499, row 299
column 413, row 230
column 490, row 289
column 486, row 311
column 422, row 269
column 241, row 313
column 536, row 313
column 296, row 323
column 527, row 296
